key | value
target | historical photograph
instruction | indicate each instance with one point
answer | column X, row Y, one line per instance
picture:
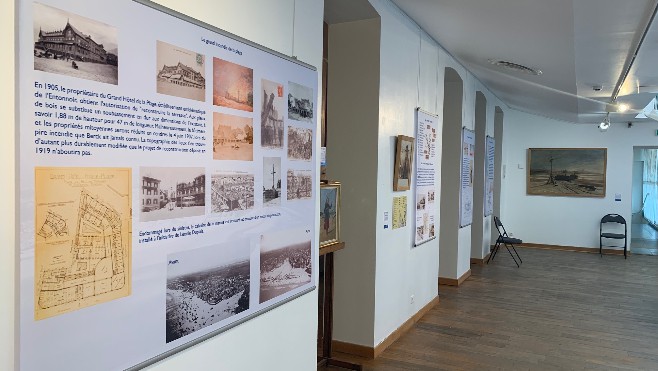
column 180, row 72
column 69, row 44
column 300, row 102
column 329, row 213
column 578, row 172
column 271, row 181
column 421, row 200
column 205, row 286
column 271, row 115
column 233, row 85
column 300, row 143
column 285, row 262
column 404, row 155
column 172, row 192
column 299, row 184
column 233, row 137
column 232, row 191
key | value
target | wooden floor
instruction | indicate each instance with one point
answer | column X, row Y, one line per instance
column 559, row 311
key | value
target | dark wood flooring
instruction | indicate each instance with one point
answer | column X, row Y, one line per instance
column 560, row 311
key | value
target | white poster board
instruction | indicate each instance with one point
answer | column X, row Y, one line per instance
column 467, row 167
column 168, row 178
column 427, row 137
column 489, row 176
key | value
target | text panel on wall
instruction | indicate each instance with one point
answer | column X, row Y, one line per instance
column 426, row 188
column 466, row 189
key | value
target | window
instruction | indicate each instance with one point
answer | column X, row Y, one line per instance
column 650, row 185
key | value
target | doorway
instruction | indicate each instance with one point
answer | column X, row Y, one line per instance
column 644, row 220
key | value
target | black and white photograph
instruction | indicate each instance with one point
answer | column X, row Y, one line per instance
column 205, row 286
column 271, row 181
column 271, row 115
column 232, row 191
column 180, row 72
column 300, row 143
column 299, row 184
column 421, row 201
column 300, row 102
column 66, row 43
column 172, row 192
column 285, row 262
column 233, row 137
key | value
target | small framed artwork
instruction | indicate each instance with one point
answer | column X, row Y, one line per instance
column 404, row 159
column 329, row 213
column 575, row 172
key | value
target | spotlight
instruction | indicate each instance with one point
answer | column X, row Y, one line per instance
column 623, row 107
column 605, row 124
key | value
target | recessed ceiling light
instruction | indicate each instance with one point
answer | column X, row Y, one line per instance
column 515, row 67
column 622, row 107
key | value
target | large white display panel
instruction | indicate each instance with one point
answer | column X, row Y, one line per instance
column 466, row 188
column 154, row 206
column 426, row 220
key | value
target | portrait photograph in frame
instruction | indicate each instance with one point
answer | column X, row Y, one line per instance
column 571, row 172
column 404, row 158
column 329, row 213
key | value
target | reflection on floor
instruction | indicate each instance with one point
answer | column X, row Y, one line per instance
column 644, row 239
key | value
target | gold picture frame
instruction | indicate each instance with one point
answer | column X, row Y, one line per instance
column 329, row 213
column 566, row 172
column 404, row 160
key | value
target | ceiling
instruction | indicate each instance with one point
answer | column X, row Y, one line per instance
column 575, row 43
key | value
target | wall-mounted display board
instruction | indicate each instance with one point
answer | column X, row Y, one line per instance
column 426, row 189
column 167, row 182
column 490, row 173
column 466, row 189
column 577, row 172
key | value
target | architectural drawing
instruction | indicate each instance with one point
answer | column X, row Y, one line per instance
column 54, row 225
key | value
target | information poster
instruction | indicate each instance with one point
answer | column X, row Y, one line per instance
column 489, row 177
column 426, row 190
column 466, row 191
column 168, row 181
column 399, row 212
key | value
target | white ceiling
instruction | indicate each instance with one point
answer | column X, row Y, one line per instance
column 576, row 43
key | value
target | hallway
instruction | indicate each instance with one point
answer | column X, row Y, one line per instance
column 560, row 310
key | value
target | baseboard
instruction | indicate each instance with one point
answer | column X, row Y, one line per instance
column 454, row 282
column 482, row 261
column 374, row 352
column 591, row 250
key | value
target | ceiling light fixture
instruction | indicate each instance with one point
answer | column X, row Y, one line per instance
column 622, row 107
column 605, row 124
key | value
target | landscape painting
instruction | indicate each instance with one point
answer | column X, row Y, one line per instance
column 578, row 172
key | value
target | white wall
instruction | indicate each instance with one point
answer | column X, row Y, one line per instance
column 282, row 339
column 566, row 221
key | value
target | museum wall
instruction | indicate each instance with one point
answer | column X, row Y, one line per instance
column 285, row 337
column 536, row 218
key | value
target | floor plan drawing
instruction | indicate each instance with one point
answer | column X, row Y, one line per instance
column 91, row 265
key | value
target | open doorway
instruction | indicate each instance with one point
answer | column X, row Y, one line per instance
column 644, row 220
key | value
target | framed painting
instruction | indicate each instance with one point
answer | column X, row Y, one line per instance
column 404, row 159
column 329, row 213
column 575, row 172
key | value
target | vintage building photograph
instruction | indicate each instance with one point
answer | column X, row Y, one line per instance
column 172, row 192
column 69, row 44
column 285, row 262
column 271, row 115
column 300, row 143
column 300, row 102
column 180, row 72
column 233, row 85
column 232, row 191
column 233, row 137
column 299, row 184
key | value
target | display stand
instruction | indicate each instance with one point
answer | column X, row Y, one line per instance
column 327, row 253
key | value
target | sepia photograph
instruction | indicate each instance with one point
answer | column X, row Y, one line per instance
column 271, row 181
column 172, row 192
column 69, row 44
column 232, row 191
column 421, row 200
column 300, row 102
column 299, row 184
column 285, row 262
column 180, row 72
column 300, row 143
column 271, row 115
column 205, row 286
column 577, row 172
column 404, row 155
column 329, row 214
column 233, row 85
column 233, row 137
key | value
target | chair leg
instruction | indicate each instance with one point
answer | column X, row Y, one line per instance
column 600, row 248
column 517, row 253
column 492, row 253
column 493, row 256
column 512, row 255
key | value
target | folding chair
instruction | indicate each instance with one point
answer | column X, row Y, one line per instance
column 505, row 239
column 610, row 228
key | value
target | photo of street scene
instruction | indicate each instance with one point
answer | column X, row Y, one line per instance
column 233, row 137
column 180, row 72
column 285, row 262
column 300, row 143
column 300, row 102
column 233, row 85
column 271, row 181
column 232, row 191
column 271, row 115
column 299, row 184
column 205, row 286
column 68, row 44
column 172, row 192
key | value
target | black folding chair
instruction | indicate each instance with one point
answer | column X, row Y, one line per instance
column 505, row 239
column 610, row 228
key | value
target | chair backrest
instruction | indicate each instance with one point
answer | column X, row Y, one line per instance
column 613, row 218
column 499, row 226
